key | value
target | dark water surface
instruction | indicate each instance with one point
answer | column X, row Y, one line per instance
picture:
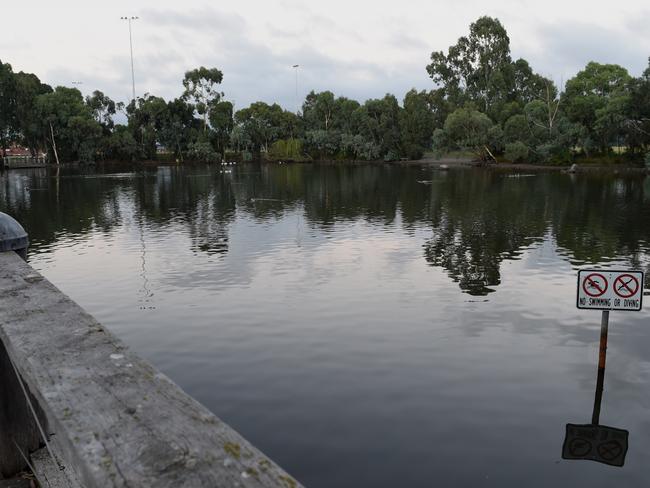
column 361, row 327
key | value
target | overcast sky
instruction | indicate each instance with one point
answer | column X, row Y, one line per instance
column 357, row 48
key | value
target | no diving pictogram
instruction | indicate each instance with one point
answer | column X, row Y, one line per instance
column 626, row 286
column 595, row 285
column 609, row 451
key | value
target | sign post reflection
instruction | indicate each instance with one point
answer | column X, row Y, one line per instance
column 605, row 291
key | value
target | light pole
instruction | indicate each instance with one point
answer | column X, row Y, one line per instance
column 295, row 67
column 129, row 19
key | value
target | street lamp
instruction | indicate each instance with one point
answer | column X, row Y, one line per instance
column 129, row 19
column 295, row 67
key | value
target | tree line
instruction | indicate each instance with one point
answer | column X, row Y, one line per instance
column 482, row 103
column 490, row 104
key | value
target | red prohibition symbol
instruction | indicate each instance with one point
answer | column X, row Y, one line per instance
column 626, row 286
column 595, row 285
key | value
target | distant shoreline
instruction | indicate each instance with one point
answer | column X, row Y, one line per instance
column 449, row 162
column 517, row 167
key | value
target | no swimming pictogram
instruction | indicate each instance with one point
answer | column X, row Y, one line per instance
column 579, row 447
column 595, row 285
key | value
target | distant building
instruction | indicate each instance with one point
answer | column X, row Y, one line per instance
column 22, row 151
column 21, row 157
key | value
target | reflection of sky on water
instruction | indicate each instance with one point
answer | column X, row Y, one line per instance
column 316, row 321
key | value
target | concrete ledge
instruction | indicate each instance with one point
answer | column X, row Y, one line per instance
column 115, row 420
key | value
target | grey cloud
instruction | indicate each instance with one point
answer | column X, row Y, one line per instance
column 404, row 40
column 315, row 25
column 568, row 47
column 639, row 23
column 202, row 19
column 254, row 70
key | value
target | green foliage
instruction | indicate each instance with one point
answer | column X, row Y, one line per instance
column 378, row 122
column 466, row 129
column 202, row 152
column 103, row 109
column 357, row 147
column 176, row 128
column 221, row 120
column 121, row 145
column 324, row 111
column 201, row 86
column 322, row 144
column 416, row 124
column 391, row 155
column 260, row 125
column 239, row 138
column 68, row 125
column 637, row 123
column 318, row 110
column 339, row 128
column 529, row 86
column 593, row 113
column 483, row 102
column 517, row 152
column 495, row 139
column 441, row 142
column 647, row 160
column 290, row 149
column 517, row 129
column 85, row 137
column 478, row 68
column 595, row 98
column 8, row 120
column 146, row 119
column 30, row 126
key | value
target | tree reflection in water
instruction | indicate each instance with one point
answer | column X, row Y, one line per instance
column 480, row 219
column 477, row 218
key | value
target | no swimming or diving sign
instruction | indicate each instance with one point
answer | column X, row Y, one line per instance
column 610, row 290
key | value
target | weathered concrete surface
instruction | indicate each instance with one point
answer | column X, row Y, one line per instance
column 49, row 474
column 17, row 483
column 117, row 421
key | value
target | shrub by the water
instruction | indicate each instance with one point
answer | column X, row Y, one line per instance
column 203, row 152
column 647, row 160
column 516, row 152
column 286, row 149
column 391, row 156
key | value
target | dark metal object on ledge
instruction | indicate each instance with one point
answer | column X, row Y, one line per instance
column 12, row 236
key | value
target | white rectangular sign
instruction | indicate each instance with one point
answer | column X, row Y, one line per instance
column 610, row 290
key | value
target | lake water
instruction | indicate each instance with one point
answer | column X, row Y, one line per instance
column 375, row 326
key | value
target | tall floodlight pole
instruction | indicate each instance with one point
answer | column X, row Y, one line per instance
column 295, row 67
column 129, row 19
